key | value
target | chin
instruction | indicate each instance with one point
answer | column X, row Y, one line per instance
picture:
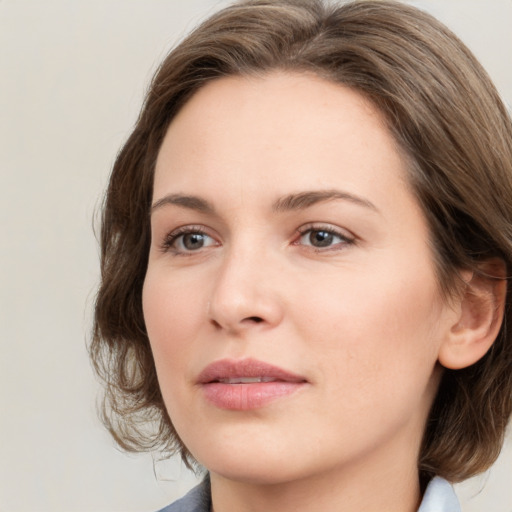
column 256, row 473
column 249, row 464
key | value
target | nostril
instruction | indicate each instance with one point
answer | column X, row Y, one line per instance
column 244, row 322
column 255, row 319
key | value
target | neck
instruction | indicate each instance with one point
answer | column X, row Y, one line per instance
column 354, row 489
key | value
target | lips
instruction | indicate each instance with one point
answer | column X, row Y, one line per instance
column 246, row 384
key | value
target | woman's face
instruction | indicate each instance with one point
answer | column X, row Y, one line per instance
column 290, row 296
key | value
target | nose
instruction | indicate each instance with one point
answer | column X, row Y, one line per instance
column 246, row 293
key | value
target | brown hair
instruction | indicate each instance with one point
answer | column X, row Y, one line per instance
column 445, row 114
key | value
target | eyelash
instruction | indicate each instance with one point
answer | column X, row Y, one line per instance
column 168, row 244
column 345, row 240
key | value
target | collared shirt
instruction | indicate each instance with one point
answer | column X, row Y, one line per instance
column 439, row 497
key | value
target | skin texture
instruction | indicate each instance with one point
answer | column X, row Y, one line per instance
column 361, row 319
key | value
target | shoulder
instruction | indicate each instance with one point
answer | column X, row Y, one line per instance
column 439, row 497
column 196, row 500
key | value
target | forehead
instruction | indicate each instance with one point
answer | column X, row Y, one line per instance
column 284, row 129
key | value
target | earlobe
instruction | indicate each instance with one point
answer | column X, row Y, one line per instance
column 480, row 308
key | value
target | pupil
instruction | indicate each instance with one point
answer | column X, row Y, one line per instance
column 321, row 238
column 193, row 241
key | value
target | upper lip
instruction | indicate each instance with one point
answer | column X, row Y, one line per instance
column 240, row 368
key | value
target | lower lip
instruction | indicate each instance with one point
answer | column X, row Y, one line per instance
column 243, row 397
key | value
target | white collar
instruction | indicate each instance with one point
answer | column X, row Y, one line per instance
column 439, row 497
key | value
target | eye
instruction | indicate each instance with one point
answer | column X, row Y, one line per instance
column 324, row 238
column 187, row 240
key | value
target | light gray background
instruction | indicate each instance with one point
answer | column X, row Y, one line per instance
column 72, row 77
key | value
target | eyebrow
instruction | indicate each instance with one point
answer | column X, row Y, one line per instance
column 299, row 201
column 304, row 200
column 185, row 201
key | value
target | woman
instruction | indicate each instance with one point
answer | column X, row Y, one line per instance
column 305, row 249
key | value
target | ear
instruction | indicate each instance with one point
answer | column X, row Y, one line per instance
column 478, row 316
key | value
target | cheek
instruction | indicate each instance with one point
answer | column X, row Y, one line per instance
column 381, row 330
column 171, row 314
column 375, row 350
